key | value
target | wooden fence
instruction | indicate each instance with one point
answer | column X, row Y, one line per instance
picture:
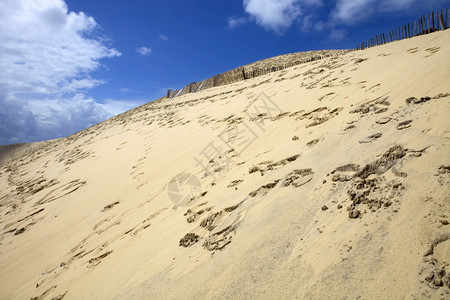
column 244, row 73
column 427, row 23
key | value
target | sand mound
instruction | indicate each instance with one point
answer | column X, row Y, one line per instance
column 329, row 179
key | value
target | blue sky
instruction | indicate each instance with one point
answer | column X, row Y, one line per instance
column 67, row 65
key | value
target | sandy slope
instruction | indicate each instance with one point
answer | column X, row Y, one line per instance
column 13, row 151
column 334, row 186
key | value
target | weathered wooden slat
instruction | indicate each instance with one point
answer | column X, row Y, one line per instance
column 432, row 20
column 446, row 19
column 424, row 26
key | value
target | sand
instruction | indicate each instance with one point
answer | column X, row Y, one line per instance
column 329, row 179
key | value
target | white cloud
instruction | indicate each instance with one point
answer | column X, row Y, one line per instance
column 319, row 26
column 353, row 11
column 234, row 22
column 306, row 24
column 274, row 15
column 114, row 107
column 337, row 35
column 144, row 51
column 163, row 37
column 279, row 15
column 47, row 54
column 48, row 118
column 43, row 45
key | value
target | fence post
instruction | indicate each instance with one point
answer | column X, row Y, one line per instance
column 437, row 20
column 447, row 18
column 432, row 19
column 425, row 24
column 420, row 26
column 441, row 20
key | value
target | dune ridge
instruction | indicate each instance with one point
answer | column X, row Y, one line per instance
column 328, row 179
column 255, row 69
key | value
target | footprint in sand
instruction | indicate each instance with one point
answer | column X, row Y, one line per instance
column 432, row 51
column 327, row 96
column 412, row 50
column 370, row 138
column 313, row 142
column 404, row 124
column 383, row 121
column 299, row 177
column 96, row 260
column 374, row 88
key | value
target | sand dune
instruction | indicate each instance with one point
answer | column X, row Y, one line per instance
column 329, row 179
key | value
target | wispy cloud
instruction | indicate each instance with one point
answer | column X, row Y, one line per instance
column 144, row 51
column 234, row 22
column 351, row 12
column 163, row 37
column 337, row 35
column 114, row 107
column 47, row 55
column 279, row 15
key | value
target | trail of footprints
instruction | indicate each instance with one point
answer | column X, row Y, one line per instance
column 367, row 189
column 216, row 228
column 90, row 253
